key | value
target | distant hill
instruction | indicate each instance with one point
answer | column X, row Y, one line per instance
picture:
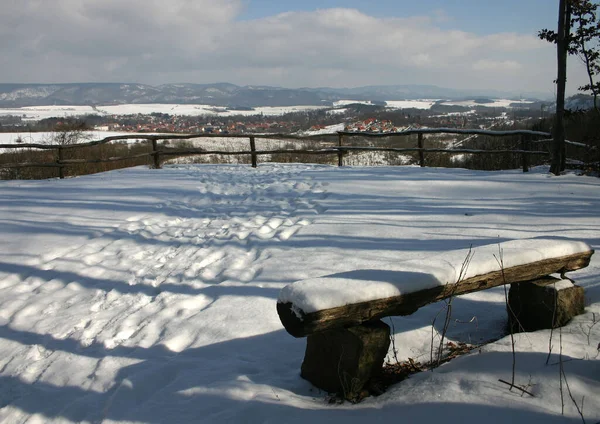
column 220, row 94
column 580, row 102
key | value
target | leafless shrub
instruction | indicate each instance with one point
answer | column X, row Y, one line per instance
column 447, row 306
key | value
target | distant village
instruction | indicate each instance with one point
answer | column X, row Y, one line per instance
column 217, row 127
column 177, row 124
column 181, row 124
column 360, row 119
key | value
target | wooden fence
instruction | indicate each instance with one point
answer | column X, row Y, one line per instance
column 158, row 152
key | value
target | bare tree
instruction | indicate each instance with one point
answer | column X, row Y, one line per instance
column 585, row 43
column 564, row 28
column 578, row 34
column 69, row 131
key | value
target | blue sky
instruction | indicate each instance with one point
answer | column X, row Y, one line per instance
column 478, row 16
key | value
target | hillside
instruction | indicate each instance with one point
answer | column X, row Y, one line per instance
column 222, row 94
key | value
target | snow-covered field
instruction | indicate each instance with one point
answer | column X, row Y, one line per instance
column 329, row 129
column 34, row 113
column 407, row 104
column 47, row 137
column 494, row 103
column 392, row 104
column 340, row 103
column 149, row 296
column 196, row 110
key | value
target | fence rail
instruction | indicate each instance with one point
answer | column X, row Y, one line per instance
column 527, row 138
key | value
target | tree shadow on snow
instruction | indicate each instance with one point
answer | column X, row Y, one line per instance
column 256, row 379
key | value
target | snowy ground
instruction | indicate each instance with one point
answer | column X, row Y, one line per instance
column 48, row 137
column 329, row 129
column 392, row 104
column 201, row 110
column 494, row 103
column 408, row 104
column 35, row 113
column 149, row 296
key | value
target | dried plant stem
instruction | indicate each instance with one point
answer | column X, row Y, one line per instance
column 512, row 341
column 564, row 376
column 516, row 387
column 560, row 373
column 512, row 317
column 393, row 341
column 552, row 325
column 448, row 302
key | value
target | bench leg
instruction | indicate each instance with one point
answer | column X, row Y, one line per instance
column 343, row 361
column 544, row 303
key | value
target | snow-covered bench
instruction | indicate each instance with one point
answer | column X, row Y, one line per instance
column 340, row 313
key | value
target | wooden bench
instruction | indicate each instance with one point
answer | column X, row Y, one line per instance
column 340, row 314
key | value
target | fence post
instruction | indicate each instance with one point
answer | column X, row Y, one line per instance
column 340, row 153
column 525, row 156
column 253, row 150
column 61, row 169
column 421, row 152
column 155, row 153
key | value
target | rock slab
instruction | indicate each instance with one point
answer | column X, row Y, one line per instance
column 543, row 304
column 342, row 361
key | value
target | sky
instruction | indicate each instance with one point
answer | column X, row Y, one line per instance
column 452, row 43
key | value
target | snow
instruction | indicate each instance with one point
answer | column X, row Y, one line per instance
column 340, row 103
column 408, row 104
column 47, row 137
column 329, row 129
column 408, row 277
column 31, row 93
column 149, row 296
column 506, row 103
column 198, row 110
column 34, row 113
column 339, row 111
column 392, row 104
column 427, row 103
column 562, row 285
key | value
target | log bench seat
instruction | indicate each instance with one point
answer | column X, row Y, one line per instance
column 340, row 313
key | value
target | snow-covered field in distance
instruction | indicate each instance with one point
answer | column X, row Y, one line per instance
column 505, row 103
column 34, row 113
column 207, row 142
column 392, row 104
column 340, row 103
column 329, row 129
column 197, row 110
column 46, row 137
column 149, row 296
column 407, row 104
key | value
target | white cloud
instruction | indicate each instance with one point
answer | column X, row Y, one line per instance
column 494, row 65
column 511, row 42
column 156, row 42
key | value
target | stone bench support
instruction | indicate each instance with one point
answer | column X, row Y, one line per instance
column 344, row 360
column 543, row 304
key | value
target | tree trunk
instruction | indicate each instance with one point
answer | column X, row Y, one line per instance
column 564, row 29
